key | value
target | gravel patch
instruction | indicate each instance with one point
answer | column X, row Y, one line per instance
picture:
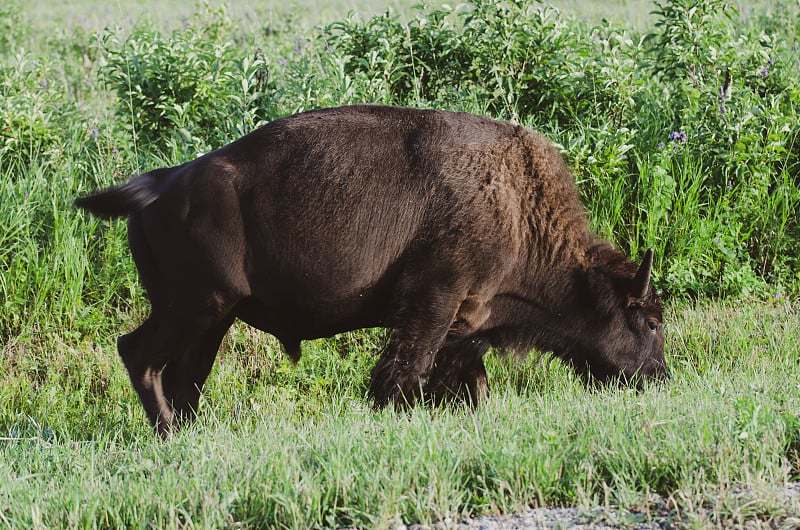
column 657, row 516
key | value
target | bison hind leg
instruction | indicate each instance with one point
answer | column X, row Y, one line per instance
column 144, row 370
column 168, row 365
column 184, row 376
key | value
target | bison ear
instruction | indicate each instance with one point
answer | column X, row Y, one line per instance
column 641, row 282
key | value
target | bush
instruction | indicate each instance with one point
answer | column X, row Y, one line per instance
column 511, row 58
column 34, row 110
column 192, row 90
column 732, row 113
column 685, row 138
column 11, row 27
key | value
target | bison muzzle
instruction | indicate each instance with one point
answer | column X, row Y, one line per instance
column 457, row 232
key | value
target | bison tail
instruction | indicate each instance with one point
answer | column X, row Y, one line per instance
column 123, row 199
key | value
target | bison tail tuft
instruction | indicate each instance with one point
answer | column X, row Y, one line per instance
column 123, row 199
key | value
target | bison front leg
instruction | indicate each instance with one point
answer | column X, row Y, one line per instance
column 405, row 364
column 401, row 372
column 404, row 370
column 458, row 373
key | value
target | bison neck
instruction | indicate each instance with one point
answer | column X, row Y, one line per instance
column 549, row 304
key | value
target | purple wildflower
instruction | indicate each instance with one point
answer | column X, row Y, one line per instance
column 765, row 69
column 95, row 132
column 299, row 44
column 661, row 145
column 679, row 137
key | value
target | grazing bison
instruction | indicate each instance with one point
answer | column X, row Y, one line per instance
column 455, row 231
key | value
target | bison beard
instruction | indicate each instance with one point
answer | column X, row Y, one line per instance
column 458, row 232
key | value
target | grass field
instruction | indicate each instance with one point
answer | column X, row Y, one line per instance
column 95, row 14
column 298, row 447
column 284, row 446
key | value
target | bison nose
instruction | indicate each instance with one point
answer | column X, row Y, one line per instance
column 648, row 374
column 659, row 372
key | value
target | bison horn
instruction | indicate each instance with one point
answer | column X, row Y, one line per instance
column 641, row 282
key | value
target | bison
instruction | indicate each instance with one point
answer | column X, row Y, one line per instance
column 455, row 231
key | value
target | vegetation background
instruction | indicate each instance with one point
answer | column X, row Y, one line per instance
column 680, row 118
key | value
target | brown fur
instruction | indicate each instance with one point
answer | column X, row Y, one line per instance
column 456, row 231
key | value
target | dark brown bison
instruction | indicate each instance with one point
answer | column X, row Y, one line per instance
column 455, row 231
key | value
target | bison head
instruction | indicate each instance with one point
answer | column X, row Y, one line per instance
column 622, row 335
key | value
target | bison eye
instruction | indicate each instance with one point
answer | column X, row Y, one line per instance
column 652, row 323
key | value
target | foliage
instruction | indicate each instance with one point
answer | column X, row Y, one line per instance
column 696, row 94
column 734, row 104
column 11, row 26
column 193, row 88
column 684, row 138
column 700, row 101
column 33, row 111
column 512, row 59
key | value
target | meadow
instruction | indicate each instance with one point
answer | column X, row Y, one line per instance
column 682, row 127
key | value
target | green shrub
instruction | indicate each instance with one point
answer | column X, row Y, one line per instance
column 512, row 58
column 726, row 94
column 701, row 101
column 192, row 90
column 11, row 27
column 34, row 110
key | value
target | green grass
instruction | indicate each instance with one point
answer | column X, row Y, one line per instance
column 95, row 15
column 298, row 446
column 638, row 13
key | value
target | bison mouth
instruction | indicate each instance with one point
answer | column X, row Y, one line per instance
column 601, row 374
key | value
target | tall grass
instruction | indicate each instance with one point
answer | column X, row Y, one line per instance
column 298, row 447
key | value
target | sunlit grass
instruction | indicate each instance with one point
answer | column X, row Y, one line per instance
column 299, row 446
column 95, row 15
